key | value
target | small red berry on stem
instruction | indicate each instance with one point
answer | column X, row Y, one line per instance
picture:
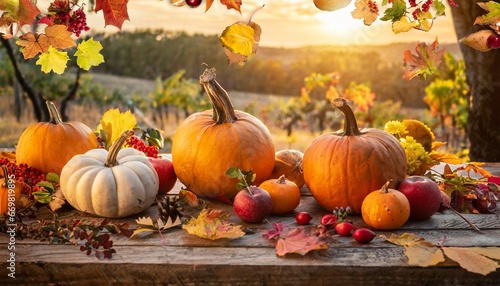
column 303, row 218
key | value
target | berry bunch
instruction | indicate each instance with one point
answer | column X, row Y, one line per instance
column 23, row 173
column 138, row 144
column 62, row 13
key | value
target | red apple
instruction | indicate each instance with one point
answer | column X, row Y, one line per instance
column 253, row 204
column 423, row 194
column 165, row 170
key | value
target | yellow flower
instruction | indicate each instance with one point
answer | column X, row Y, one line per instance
column 396, row 128
column 415, row 154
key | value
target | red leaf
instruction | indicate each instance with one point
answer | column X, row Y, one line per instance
column 425, row 62
column 298, row 241
column 275, row 232
column 115, row 11
column 231, row 4
column 27, row 12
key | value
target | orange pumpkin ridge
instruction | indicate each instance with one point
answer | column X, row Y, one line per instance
column 5, row 188
column 206, row 144
column 341, row 168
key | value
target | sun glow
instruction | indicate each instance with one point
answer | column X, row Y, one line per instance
column 339, row 21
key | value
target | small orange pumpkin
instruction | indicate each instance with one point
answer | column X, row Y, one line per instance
column 285, row 194
column 10, row 191
column 342, row 168
column 385, row 209
column 48, row 146
column 206, row 144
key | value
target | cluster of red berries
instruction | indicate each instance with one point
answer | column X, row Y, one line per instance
column 75, row 21
column 23, row 173
column 138, row 144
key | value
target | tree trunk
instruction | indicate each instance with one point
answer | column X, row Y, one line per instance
column 483, row 77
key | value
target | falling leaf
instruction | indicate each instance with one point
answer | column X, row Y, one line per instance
column 113, row 123
column 470, row 260
column 493, row 15
column 403, row 25
column 238, row 38
column 27, row 12
column 53, row 60
column 423, row 254
column 478, row 40
column 115, row 11
column 366, row 10
column 275, row 232
column 232, row 4
column 56, row 36
column 425, row 21
column 298, row 241
column 425, row 62
column 88, row 54
column 395, row 12
column 213, row 224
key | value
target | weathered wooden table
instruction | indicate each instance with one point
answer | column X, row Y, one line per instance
column 177, row 258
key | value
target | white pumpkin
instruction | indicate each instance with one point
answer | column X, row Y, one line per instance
column 113, row 184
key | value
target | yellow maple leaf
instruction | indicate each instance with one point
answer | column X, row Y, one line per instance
column 53, row 60
column 366, row 10
column 88, row 54
column 403, row 25
column 470, row 260
column 423, row 254
column 213, row 224
column 113, row 123
column 406, row 238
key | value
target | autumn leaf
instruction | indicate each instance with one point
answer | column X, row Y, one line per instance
column 406, row 238
column 423, row 254
column 213, row 224
column 298, row 241
column 56, row 36
column 275, row 232
column 188, row 203
column 113, row 123
column 366, row 10
column 403, row 25
column 470, row 260
column 147, row 226
column 115, row 11
column 493, row 15
column 425, row 21
column 232, row 4
column 425, row 62
column 27, row 13
column 239, row 38
column 53, row 60
column 395, row 12
column 88, row 54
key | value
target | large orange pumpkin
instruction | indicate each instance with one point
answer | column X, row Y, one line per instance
column 208, row 143
column 342, row 168
column 48, row 146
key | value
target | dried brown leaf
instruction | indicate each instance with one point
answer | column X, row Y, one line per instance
column 470, row 260
column 424, row 254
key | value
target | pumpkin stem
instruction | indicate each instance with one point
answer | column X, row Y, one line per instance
column 385, row 187
column 282, row 179
column 223, row 110
column 116, row 147
column 350, row 124
column 5, row 175
column 55, row 118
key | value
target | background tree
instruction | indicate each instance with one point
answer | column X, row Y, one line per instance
column 483, row 77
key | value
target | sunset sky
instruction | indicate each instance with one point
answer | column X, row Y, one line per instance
column 284, row 23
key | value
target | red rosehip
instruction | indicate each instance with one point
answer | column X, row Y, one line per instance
column 363, row 235
column 329, row 220
column 345, row 228
column 303, row 218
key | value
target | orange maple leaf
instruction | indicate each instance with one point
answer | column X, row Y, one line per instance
column 231, row 4
column 56, row 36
column 115, row 11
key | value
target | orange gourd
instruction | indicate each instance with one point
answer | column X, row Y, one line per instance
column 385, row 209
column 48, row 146
column 285, row 194
column 10, row 191
column 206, row 144
column 342, row 168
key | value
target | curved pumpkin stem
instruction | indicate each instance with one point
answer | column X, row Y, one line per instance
column 55, row 118
column 116, row 147
column 5, row 175
column 385, row 187
column 223, row 110
column 350, row 124
column 282, row 179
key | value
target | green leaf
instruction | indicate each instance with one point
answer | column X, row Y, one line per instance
column 47, row 186
column 233, row 172
column 493, row 15
column 439, row 7
column 88, row 54
column 53, row 60
column 42, row 197
column 395, row 13
column 52, row 177
column 154, row 137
